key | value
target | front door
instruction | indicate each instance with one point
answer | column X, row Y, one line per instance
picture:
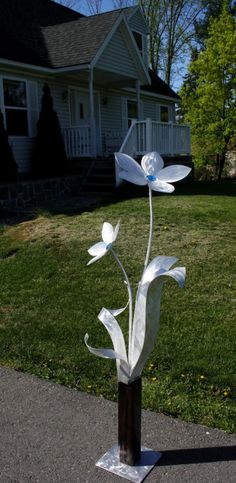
column 80, row 112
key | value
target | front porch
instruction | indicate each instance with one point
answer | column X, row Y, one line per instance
column 169, row 139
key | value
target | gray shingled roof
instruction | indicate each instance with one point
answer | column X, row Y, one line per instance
column 158, row 86
column 46, row 34
column 77, row 42
column 21, row 23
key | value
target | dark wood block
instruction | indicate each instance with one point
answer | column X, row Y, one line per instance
column 129, row 421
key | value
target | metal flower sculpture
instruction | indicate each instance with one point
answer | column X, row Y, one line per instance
column 143, row 326
column 144, row 315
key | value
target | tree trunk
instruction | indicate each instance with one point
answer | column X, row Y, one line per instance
column 221, row 165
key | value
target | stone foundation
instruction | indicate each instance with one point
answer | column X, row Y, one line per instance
column 14, row 196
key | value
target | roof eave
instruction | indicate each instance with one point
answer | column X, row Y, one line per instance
column 39, row 68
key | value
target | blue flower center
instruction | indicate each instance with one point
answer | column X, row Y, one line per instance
column 150, row 177
column 108, row 247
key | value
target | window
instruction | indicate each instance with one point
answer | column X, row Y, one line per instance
column 164, row 114
column 15, row 104
column 139, row 41
column 132, row 111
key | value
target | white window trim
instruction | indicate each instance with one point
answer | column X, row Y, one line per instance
column 170, row 112
column 3, row 107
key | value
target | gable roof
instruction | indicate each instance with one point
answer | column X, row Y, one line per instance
column 158, row 86
column 77, row 42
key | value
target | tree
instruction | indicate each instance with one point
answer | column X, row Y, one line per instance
column 171, row 28
column 209, row 93
column 123, row 3
column 94, row 6
column 8, row 166
column 211, row 10
column 49, row 157
column 68, row 3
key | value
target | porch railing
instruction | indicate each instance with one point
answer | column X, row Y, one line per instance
column 168, row 139
column 77, row 141
column 143, row 136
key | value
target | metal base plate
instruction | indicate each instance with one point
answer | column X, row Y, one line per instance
column 111, row 462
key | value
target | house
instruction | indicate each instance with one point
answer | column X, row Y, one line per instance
column 105, row 95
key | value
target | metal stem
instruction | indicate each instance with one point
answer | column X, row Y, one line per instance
column 130, row 298
column 150, row 230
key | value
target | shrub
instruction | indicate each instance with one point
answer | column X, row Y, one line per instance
column 49, row 157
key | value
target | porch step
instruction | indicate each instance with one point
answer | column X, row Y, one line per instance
column 100, row 177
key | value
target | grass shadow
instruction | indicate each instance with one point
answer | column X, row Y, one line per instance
column 76, row 205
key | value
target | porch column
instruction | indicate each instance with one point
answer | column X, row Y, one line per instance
column 138, row 99
column 92, row 120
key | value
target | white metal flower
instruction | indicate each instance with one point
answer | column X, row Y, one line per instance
column 109, row 235
column 151, row 172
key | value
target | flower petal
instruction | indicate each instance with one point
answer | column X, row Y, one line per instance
column 94, row 259
column 127, row 163
column 97, row 249
column 161, row 186
column 107, row 233
column 152, row 163
column 116, row 231
column 173, row 173
column 133, row 178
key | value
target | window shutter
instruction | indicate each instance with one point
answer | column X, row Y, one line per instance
column 33, row 111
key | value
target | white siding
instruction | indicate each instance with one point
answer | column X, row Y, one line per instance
column 137, row 22
column 150, row 109
column 116, row 57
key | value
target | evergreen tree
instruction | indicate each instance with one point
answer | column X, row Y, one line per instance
column 209, row 92
column 212, row 9
column 49, row 157
column 8, row 166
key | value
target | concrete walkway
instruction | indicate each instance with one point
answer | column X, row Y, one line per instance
column 52, row 434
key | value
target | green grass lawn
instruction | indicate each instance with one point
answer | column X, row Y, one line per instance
column 49, row 299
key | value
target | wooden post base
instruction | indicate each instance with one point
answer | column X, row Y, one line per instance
column 129, row 421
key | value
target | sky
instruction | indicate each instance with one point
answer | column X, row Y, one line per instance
column 81, row 6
